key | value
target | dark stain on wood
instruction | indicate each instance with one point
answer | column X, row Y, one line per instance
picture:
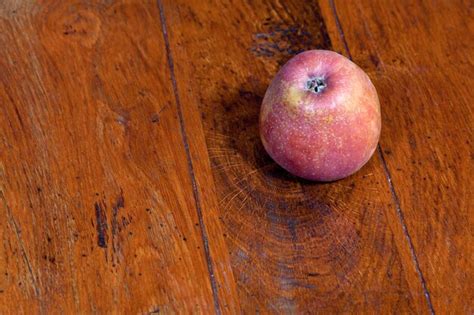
column 278, row 40
column 101, row 224
column 119, row 203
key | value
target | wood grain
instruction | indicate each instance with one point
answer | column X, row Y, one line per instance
column 421, row 58
column 132, row 178
column 295, row 246
column 96, row 201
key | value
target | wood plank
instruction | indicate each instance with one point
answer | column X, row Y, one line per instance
column 421, row 58
column 295, row 246
column 97, row 205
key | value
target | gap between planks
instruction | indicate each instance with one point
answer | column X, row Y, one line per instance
column 192, row 175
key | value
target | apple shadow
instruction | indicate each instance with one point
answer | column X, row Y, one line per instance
column 240, row 126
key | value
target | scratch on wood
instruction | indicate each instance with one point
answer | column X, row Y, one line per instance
column 120, row 203
column 14, row 225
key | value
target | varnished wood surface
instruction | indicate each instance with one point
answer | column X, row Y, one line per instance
column 132, row 178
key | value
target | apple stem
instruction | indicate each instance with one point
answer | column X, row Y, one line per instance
column 316, row 85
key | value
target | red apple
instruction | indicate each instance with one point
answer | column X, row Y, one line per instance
column 320, row 117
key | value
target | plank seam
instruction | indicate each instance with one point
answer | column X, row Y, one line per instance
column 388, row 176
column 184, row 138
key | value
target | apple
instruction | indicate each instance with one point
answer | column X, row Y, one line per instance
column 320, row 117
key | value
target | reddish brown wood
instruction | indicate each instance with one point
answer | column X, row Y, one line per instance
column 420, row 56
column 295, row 246
column 96, row 202
column 132, row 179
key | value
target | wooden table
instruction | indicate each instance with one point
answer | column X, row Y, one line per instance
column 133, row 180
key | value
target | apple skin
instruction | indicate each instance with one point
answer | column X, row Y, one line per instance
column 320, row 117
